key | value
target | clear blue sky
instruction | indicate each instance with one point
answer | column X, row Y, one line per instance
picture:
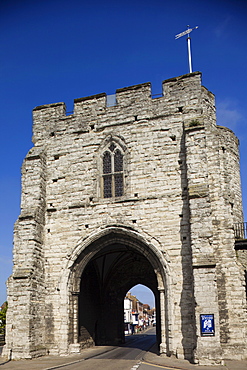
column 53, row 51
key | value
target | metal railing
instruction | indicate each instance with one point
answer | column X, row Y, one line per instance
column 240, row 230
column 2, row 339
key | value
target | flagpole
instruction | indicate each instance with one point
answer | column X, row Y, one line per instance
column 187, row 32
column 189, row 54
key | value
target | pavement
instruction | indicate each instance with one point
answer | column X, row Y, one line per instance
column 151, row 357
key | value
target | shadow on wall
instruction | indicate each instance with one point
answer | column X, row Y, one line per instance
column 187, row 302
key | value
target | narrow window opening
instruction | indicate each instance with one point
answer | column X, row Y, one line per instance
column 113, row 181
column 118, row 185
column 118, row 161
column 107, row 186
column 111, row 100
column 107, row 163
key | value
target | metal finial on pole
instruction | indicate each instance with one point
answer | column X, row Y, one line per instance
column 187, row 32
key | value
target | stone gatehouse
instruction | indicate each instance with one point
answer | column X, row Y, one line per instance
column 139, row 191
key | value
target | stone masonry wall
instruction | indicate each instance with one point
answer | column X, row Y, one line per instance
column 181, row 189
column 26, row 284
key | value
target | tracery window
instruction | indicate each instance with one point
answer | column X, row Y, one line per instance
column 113, row 184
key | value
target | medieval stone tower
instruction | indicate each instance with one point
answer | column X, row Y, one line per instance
column 143, row 191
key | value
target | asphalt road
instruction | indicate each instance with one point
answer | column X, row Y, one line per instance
column 126, row 357
column 146, row 366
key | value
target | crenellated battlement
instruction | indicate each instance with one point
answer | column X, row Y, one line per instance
column 181, row 95
column 171, row 88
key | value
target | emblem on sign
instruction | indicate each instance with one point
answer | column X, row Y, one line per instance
column 207, row 325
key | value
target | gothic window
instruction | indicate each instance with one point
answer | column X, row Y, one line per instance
column 113, row 172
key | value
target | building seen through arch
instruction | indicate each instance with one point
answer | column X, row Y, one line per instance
column 138, row 316
column 145, row 191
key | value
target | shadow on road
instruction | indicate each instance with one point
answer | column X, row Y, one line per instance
column 134, row 348
column 4, row 363
column 139, row 341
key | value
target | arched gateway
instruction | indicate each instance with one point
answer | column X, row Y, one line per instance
column 102, row 270
column 146, row 191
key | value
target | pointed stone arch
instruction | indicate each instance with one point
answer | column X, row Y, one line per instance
column 118, row 246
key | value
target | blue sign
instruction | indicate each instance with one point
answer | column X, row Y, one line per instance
column 207, row 325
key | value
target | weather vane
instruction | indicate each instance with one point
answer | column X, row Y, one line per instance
column 187, row 32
